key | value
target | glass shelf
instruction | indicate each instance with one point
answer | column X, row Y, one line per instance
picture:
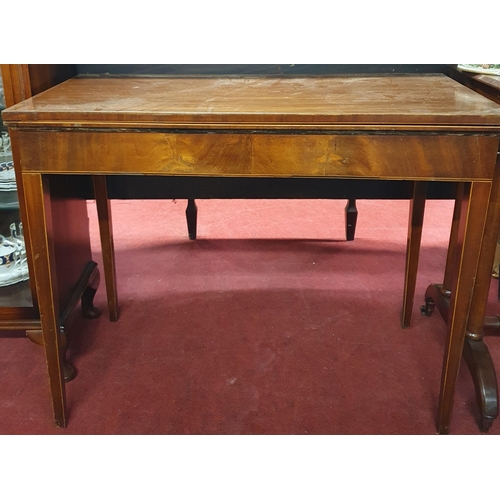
column 14, row 278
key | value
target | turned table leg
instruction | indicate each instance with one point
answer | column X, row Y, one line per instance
column 192, row 219
column 351, row 218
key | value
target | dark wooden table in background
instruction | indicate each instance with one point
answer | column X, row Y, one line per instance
column 475, row 353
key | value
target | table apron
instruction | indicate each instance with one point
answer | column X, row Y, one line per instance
column 432, row 157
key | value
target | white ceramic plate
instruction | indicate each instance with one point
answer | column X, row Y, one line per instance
column 12, row 279
column 493, row 69
column 14, row 274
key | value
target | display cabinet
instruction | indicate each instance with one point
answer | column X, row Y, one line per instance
column 78, row 276
column 15, row 293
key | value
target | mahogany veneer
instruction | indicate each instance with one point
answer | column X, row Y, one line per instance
column 424, row 128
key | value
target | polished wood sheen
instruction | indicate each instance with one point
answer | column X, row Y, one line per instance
column 335, row 103
column 450, row 157
column 422, row 128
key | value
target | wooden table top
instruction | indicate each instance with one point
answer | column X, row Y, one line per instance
column 335, row 103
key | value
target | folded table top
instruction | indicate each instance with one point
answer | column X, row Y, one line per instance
column 407, row 102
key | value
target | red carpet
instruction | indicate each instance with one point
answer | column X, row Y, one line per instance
column 269, row 323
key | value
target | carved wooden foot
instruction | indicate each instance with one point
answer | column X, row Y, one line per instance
column 192, row 219
column 428, row 308
column 88, row 309
column 68, row 369
column 433, row 296
column 83, row 291
column 481, row 367
column 476, row 356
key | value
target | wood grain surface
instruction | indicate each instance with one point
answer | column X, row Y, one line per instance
column 403, row 101
column 432, row 157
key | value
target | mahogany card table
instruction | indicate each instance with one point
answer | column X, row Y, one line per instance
column 421, row 128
